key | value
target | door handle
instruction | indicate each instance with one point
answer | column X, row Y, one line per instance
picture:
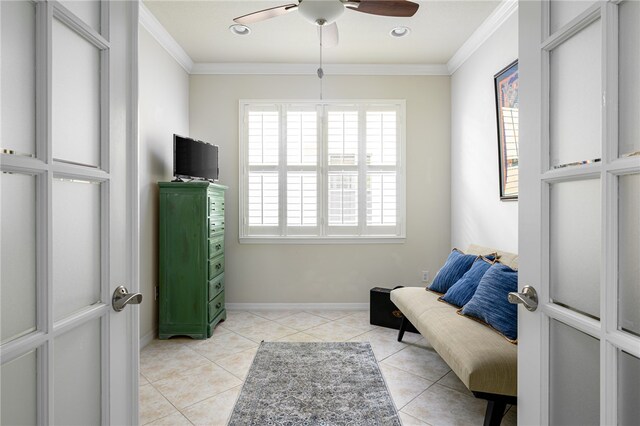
column 528, row 297
column 122, row 297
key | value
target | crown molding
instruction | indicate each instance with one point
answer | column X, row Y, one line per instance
column 162, row 36
column 310, row 69
column 482, row 33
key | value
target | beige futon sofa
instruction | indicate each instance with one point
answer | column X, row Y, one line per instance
column 483, row 359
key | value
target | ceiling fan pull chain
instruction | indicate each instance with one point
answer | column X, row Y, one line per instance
column 320, row 70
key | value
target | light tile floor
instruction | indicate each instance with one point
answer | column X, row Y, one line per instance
column 185, row 381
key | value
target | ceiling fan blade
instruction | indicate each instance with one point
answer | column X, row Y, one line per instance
column 399, row 8
column 329, row 35
column 265, row 14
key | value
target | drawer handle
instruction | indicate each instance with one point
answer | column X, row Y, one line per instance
column 218, row 305
column 218, row 266
column 218, row 247
column 218, row 286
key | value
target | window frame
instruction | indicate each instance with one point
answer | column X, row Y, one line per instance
column 323, row 233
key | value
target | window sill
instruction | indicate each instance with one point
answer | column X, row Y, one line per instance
column 322, row 240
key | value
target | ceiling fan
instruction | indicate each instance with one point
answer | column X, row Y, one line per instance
column 324, row 13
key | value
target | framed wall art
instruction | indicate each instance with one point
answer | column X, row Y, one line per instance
column 506, row 88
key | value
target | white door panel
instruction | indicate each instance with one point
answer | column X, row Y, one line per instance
column 68, row 212
column 579, row 219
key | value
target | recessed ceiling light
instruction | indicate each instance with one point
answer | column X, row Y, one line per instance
column 400, row 32
column 239, row 29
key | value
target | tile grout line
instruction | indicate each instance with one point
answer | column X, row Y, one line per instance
column 449, row 387
column 414, row 417
column 169, row 415
column 208, row 398
column 197, row 402
column 166, row 399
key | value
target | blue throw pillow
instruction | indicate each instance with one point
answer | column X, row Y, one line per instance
column 490, row 304
column 462, row 291
column 454, row 268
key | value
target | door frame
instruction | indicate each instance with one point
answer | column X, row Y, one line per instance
column 133, row 199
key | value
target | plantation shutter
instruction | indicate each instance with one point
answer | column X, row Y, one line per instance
column 322, row 170
column 263, row 151
column 343, row 148
column 382, row 155
column 302, row 170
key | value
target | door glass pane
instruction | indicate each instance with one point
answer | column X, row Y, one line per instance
column 574, row 245
column 628, row 79
column 87, row 10
column 18, row 77
column 76, row 246
column 18, row 398
column 563, row 11
column 629, row 253
column 18, row 245
column 76, row 97
column 575, row 98
column 628, row 389
column 574, row 376
column 76, row 376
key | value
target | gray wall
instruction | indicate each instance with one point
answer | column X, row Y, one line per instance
column 477, row 214
column 163, row 110
column 336, row 273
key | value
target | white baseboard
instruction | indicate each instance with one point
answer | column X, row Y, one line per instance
column 296, row 306
column 148, row 338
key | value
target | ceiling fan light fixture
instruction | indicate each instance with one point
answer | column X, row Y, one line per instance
column 321, row 10
column 400, row 32
column 239, row 29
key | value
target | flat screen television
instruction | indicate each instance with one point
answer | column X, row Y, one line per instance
column 194, row 159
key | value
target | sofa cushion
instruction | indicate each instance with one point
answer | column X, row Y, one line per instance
column 462, row 291
column 490, row 303
column 454, row 268
column 480, row 357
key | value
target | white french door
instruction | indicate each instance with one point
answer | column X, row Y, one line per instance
column 579, row 221
column 68, row 108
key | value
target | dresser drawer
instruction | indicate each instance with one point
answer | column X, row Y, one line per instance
column 216, row 267
column 216, row 226
column 216, row 306
column 216, row 246
column 216, row 285
column 216, row 206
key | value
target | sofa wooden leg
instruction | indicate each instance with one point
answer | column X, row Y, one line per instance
column 495, row 411
column 403, row 328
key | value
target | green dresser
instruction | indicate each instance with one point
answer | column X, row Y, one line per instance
column 191, row 259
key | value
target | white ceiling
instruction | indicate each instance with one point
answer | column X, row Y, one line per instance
column 439, row 28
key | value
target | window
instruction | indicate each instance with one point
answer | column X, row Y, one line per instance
column 321, row 171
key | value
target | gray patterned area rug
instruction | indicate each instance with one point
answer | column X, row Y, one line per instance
column 314, row 384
